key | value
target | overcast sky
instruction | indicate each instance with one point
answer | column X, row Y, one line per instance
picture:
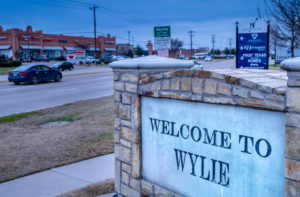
column 205, row 17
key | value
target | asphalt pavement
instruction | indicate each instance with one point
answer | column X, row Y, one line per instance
column 83, row 86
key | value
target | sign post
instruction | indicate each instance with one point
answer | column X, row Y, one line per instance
column 162, row 40
column 252, row 48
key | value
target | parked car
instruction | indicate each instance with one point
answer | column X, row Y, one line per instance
column 197, row 66
column 63, row 66
column 107, row 59
column 120, row 57
column 61, row 58
column 34, row 73
column 77, row 60
column 208, row 58
column 90, row 59
column 42, row 58
column 181, row 56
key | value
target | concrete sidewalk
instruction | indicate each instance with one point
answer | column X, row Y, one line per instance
column 60, row 180
column 78, row 70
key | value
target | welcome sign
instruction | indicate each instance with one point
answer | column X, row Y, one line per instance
column 198, row 149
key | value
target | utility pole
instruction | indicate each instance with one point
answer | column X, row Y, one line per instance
column 128, row 37
column 191, row 32
column 95, row 39
column 213, row 40
column 28, row 53
column 132, row 38
column 230, row 43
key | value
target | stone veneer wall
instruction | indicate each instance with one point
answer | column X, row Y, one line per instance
column 263, row 90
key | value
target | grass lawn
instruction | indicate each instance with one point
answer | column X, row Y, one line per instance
column 274, row 65
column 5, row 70
column 35, row 141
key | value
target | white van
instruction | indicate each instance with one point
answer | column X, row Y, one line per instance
column 199, row 55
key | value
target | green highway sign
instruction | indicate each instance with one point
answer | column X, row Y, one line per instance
column 162, row 31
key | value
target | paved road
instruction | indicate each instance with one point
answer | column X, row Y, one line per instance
column 221, row 64
column 23, row 98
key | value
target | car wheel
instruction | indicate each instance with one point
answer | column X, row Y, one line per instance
column 58, row 78
column 71, row 68
column 35, row 80
column 16, row 83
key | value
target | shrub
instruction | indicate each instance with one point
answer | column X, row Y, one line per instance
column 10, row 64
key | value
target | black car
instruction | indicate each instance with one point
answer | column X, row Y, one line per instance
column 63, row 66
column 34, row 73
column 60, row 58
column 106, row 59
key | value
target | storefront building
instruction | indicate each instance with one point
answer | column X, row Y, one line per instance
column 30, row 44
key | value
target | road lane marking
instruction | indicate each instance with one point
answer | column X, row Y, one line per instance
column 61, row 90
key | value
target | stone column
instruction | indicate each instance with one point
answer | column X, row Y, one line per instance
column 292, row 132
column 127, row 73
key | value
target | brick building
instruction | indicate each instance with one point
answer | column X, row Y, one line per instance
column 187, row 52
column 36, row 43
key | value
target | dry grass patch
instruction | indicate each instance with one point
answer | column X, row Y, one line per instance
column 27, row 147
column 94, row 190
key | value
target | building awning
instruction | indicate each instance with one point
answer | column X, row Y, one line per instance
column 30, row 47
column 109, row 49
column 71, row 48
column 55, row 48
column 92, row 49
column 4, row 47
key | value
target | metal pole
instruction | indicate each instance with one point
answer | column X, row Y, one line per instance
column 236, row 44
column 268, row 41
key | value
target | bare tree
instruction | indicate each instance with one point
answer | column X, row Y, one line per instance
column 285, row 19
column 176, row 44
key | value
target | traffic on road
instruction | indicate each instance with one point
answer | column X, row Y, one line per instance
column 34, row 74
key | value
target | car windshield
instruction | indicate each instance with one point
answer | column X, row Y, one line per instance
column 22, row 68
column 56, row 65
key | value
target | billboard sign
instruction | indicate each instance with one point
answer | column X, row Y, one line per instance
column 162, row 37
column 252, row 50
column 163, row 52
column 162, row 31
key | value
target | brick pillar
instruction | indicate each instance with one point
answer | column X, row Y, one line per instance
column 127, row 136
column 292, row 132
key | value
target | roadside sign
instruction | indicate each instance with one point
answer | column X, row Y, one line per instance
column 163, row 52
column 252, row 46
column 162, row 31
column 252, row 50
column 162, row 43
column 285, row 53
column 162, row 37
